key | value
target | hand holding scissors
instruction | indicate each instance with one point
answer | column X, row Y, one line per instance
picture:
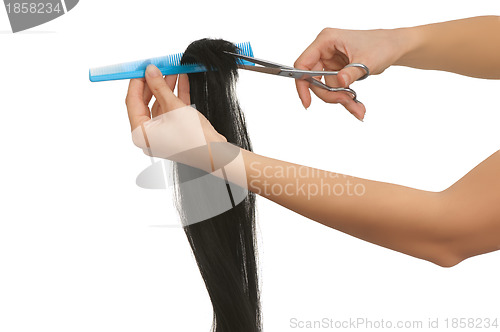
column 273, row 68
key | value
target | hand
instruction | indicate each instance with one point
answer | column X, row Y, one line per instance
column 171, row 128
column 333, row 49
column 141, row 90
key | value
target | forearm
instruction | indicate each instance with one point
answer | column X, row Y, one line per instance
column 469, row 46
column 435, row 226
column 392, row 216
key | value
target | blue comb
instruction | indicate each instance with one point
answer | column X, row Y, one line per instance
column 168, row 65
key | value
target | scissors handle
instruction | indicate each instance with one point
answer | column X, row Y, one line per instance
column 307, row 75
column 332, row 89
column 362, row 66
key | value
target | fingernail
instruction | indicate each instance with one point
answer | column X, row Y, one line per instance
column 153, row 71
column 357, row 117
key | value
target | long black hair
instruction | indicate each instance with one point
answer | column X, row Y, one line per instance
column 224, row 245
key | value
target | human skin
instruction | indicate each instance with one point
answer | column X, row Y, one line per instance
column 469, row 47
column 443, row 227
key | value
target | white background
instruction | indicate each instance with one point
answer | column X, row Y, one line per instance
column 78, row 246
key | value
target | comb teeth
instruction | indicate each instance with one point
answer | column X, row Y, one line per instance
column 170, row 64
column 245, row 49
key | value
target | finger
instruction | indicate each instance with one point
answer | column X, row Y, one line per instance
column 317, row 67
column 147, row 95
column 336, row 62
column 160, row 89
column 171, row 81
column 345, row 99
column 302, row 87
column 156, row 109
column 183, row 89
column 349, row 75
column 332, row 80
column 309, row 59
column 355, row 108
column 137, row 111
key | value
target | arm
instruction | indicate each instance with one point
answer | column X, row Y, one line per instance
column 468, row 47
column 442, row 227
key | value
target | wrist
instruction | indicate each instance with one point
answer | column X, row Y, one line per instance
column 408, row 42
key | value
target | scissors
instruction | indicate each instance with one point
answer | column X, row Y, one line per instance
column 286, row 71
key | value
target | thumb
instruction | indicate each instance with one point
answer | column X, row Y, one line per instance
column 349, row 75
column 168, row 101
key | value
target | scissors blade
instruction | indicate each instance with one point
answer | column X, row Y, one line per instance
column 266, row 70
column 258, row 61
